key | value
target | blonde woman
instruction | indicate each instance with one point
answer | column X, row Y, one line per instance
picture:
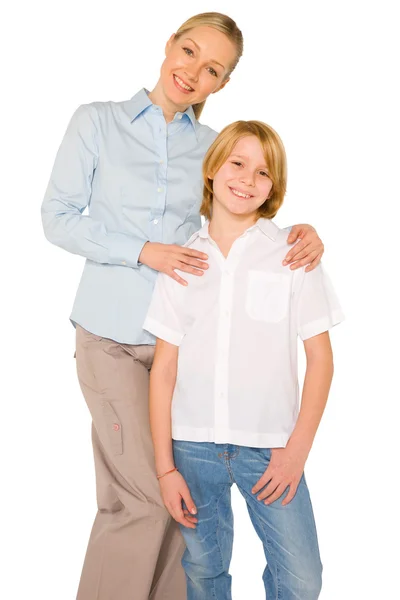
column 137, row 166
column 236, row 420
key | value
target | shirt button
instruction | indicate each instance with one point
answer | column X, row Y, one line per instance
column 155, row 221
column 179, row 116
column 161, row 162
column 123, row 262
column 159, row 189
column 227, row 313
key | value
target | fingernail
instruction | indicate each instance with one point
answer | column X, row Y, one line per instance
column 193, row 511
column 285, row 262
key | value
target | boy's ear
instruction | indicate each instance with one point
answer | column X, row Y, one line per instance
column 169, row 44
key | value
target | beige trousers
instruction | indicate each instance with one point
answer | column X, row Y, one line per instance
column 135, row 548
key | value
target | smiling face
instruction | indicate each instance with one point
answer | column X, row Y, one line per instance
column 242, row 184
column 197, row 64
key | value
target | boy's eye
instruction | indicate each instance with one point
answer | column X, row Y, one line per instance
column 188, row 51
column 213, row 72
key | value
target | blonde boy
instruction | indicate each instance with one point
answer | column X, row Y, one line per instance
column 226, row 363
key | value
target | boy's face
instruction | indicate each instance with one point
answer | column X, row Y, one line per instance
column 242, row 184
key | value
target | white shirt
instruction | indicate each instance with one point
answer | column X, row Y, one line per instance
column 236, row 327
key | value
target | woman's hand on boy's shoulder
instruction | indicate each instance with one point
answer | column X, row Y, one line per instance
column 307, row 251
column 174, row 490
column 284, row 471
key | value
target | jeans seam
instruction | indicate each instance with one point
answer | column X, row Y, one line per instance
column 270, row 549
column 218, row 543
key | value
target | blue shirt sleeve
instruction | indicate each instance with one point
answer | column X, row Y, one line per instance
column 69, row 192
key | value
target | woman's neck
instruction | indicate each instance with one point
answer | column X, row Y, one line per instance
column 226, row 227
column 158, row 97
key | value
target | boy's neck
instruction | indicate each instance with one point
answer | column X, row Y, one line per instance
column 225, row 227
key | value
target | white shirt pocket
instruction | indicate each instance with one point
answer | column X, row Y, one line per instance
column 267, row 297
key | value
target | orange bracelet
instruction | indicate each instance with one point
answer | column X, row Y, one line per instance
column 167, row 473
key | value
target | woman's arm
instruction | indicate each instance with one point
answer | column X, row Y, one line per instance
column 68, row 194
column 308, row 250
column 174, row 489
column 287, row 464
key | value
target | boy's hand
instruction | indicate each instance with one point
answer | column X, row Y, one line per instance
column 308, row 250
column 174, row 489
column 284, row 470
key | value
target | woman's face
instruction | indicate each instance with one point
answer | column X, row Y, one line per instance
column 242, row 184
column 196, row 65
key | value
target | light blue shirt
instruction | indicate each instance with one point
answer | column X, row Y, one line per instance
column 141, row 180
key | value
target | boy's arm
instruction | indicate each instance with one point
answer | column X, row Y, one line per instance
column 287, row 464
column 162, row 383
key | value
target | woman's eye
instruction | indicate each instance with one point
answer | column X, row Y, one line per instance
column 188, row 51
column 212, row 71
column 264, row 173
column 237, row 163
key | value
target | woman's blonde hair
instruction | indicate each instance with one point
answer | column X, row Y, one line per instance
column 222, row 23
column 275, row 158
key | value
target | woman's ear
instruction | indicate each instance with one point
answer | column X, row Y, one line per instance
column 169, row 44
column 221, row 87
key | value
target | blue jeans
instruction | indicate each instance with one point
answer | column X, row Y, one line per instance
column 288, row 532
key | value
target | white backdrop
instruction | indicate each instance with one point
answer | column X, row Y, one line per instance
column 325, row 75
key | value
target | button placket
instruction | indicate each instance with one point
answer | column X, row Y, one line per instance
column 157, row 212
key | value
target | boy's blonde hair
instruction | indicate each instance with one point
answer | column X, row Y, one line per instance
column 275, row 158
column 222, row 23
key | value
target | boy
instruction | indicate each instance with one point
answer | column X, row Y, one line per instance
column 226, row 360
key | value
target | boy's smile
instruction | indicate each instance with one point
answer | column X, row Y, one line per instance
column 243, row 184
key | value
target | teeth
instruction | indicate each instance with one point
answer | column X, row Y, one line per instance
column 237, row 193
column 189, row 89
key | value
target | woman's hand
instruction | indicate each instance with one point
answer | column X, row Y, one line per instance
column 284, row 470
column 168, row 257
column 174, row 489
column 307, row 251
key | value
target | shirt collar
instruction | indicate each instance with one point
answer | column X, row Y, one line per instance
column 265, row 225
column 140, row 101
column 136, row 105
column 268, row 228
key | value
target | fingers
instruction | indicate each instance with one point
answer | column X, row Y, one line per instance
column 187, row 268
column 261, row 482
column 194, row 262
column 190, row 517
column 193, row 253
column 270, row 489
column 314, row 263
column 176, row 511
column 175, row 276
column 291, row 494
column 187, row 498
column 304, row 261
column 298, row 248
column 296, row 233
column 276, row 494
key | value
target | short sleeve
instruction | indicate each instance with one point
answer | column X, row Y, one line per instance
column 163, row 319
column 317, row 306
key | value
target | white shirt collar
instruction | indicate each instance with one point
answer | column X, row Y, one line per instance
column 265, row 225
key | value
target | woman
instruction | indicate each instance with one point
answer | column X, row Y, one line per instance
column 137, row 165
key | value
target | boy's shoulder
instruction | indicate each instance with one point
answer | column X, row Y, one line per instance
column 195, row 239
column 272, row 231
